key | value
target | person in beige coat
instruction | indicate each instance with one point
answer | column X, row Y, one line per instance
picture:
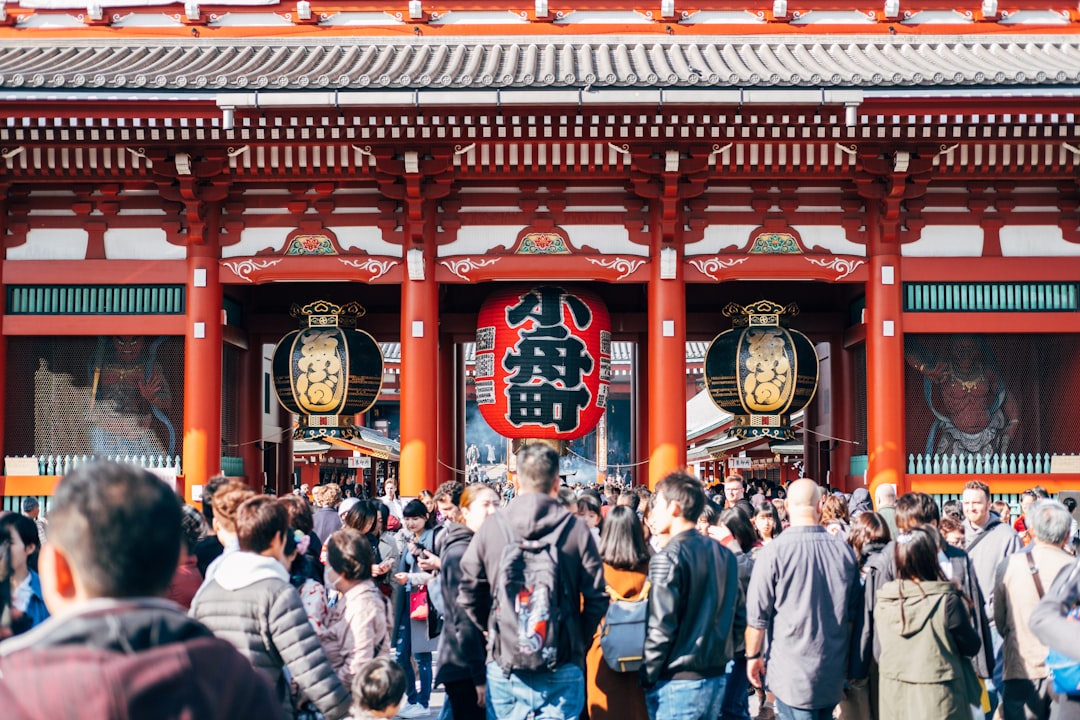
column 1020, row 583
column 358, row 629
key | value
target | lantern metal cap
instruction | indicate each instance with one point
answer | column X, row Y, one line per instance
column 323, row 313
column 763, row 313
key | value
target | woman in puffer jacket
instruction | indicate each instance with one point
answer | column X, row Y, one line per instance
column 251, row 604
column 358, row 629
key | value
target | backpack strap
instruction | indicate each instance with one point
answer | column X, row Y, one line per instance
column 616, row 597
column 1035, row 574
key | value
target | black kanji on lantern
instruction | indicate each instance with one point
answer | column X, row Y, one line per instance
column 548, row 362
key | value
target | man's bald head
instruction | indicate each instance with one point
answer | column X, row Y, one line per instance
column 803, row 502
column 885, row 495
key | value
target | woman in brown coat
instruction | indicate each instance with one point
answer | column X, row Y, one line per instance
column 625, row 554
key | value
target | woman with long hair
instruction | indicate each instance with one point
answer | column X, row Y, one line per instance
column 462, row 655
column 625, row 553
column 736, row 533
column 869, row 534
column 767, row 523
column 926, row 637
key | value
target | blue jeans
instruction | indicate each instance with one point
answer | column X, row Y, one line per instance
column 402, row 651
column 686, row 699
column 994, row 684
column 539, row 695
column 786, row 712
column 736, row 704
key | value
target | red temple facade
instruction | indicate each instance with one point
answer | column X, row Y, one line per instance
column 176, row 176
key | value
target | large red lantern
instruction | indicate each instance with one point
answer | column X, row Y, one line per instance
column 543, row 362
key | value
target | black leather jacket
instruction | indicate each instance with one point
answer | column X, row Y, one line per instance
column 696, row 610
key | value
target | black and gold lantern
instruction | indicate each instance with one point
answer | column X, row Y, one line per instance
column 760, row 371
column 327, row 371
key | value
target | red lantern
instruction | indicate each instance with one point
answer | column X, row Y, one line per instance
column 543, row 362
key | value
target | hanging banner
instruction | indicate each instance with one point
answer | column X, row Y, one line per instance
column 543, row 362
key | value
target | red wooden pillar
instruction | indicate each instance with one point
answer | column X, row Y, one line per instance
column 251, row 413
column 667, row 362
column 884, row 358
column 202, row 358
column 459, row 412
column 419, row 374
column 3, row 344
column 843, row 411
column 639, row 411
column 450, row 388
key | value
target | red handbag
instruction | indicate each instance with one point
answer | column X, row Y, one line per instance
column 418, row 605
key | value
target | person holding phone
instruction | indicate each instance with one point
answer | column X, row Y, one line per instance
column 416, row 626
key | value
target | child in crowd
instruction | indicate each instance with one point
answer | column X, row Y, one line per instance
column 378, row 689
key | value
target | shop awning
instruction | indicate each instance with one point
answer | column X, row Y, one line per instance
column 725, row 445
column 371, row 444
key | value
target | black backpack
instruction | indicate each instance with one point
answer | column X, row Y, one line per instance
column 529, row 601
column 622, row 632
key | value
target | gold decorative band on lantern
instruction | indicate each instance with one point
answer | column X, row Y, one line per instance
column 323, row 313
column 320, row 426
column 763, row 313
column 774, row 426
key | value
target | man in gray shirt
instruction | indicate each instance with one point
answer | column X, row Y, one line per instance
column 804, row 595
column 988, row 542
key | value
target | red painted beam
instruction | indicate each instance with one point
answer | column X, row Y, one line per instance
column 94, row 325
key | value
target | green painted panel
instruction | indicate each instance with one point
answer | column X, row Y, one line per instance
column 991, row 297
column 95, row 300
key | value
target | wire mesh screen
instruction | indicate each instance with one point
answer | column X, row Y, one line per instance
column 1000, row 396
column 120, row 395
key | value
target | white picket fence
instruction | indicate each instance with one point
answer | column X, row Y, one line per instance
column 974, row 464
column 63, row 464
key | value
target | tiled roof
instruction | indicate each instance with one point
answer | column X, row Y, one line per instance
column 589, row 62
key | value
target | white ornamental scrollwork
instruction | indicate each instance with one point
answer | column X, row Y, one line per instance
column 842, row 266
column 713, row 264
column 462, row 267
column 626, row 266
column 244, row 268
column 377, row 268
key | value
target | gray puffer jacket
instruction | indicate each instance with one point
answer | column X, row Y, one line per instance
column 251, row 604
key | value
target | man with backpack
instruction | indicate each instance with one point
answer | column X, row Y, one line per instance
column 532, row 578
column 695, row 608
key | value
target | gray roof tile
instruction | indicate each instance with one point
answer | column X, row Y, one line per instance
column 786, row 61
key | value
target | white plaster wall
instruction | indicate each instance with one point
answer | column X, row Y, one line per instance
column 141, row 244
column 255, row 240
column 368, row 239
column 1036, row 241
column 721, row 236
column 608, row 239
column 946, row 241
column 830, row 237
column 51, row 244
column 479, row 239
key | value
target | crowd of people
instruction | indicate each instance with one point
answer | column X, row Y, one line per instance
column 611, row 602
